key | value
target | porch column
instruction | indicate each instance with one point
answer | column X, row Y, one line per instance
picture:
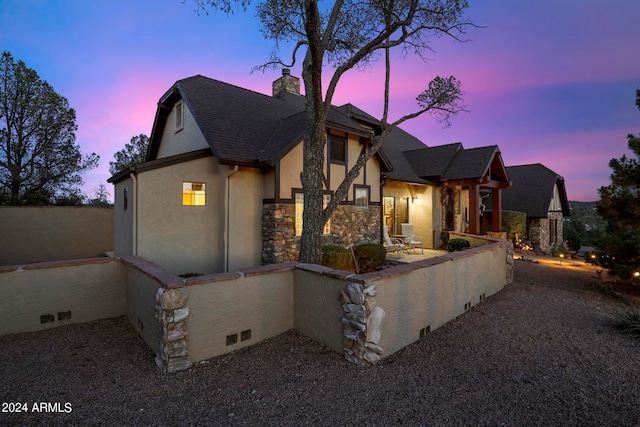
column 474, row 208
column 496, row 207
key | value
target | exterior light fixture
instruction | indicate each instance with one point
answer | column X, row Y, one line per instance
column 636, row 274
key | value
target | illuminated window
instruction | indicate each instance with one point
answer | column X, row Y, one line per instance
column 193, row 194
column 300, row 208
column 179, row 117
column 362, row 197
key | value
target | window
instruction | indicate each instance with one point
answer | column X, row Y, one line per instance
column 337, row 150
column 193, row 194
column 125, row 202
column 179, row 117
column 362, row 197
column 299, row 200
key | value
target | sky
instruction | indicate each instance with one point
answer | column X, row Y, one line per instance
column 548, row 81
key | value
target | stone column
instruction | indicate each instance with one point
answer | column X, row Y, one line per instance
column 362, row 324
column 171, row 312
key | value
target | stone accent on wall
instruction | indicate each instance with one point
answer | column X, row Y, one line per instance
column 349, row 225
column 279, row 242
column 171, row 313
column 539, row 230
column 509, row 274
column 361, row 324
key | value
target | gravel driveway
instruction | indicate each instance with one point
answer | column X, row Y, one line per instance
column 540, row 352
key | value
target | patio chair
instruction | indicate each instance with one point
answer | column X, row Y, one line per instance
column 411, row 239
column 393, row 244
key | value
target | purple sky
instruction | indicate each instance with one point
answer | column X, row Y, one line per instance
column 548, row 81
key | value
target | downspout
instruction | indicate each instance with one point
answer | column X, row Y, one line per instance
column 134, row 179
column 225, row 233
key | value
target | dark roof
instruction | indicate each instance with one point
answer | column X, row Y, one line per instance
column 242, row 126
column 414, row 162
column 397, row 142
column 248, row 128
column 432, row 163
column 532, row 190
column 471, row 163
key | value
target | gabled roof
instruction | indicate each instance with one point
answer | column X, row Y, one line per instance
column 432, row 163
column 471, row 163
column 532, row 190
column 241, row 126
column 414, row 162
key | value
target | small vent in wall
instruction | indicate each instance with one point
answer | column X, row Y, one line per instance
column 64, row 315
column 47, row 318
column 232, row 339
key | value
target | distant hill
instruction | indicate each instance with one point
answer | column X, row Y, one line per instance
column 582, row 205
column 584, row 221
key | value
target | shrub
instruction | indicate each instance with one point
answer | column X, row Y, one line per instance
column 628, row 321
column 337, row 257
column 512, row 222
column 458, row 244
column 370, row 257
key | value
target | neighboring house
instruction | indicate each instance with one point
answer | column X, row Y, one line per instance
column 541, row 194
column 221, row 190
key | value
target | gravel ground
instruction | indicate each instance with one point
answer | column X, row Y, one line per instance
column 540, row 352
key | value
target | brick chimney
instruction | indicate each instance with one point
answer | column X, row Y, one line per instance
column 286, row 83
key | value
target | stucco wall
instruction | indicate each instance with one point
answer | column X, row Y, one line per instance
column 438, row 290
column 245, row 219
column 228, row 312
column 51, row 233
column 45, row 295
column 141, row 290
column 189, row 138
column 421, row 212
column 291, row 167
column 123, row 216
column 317, row 309
column 180, row 238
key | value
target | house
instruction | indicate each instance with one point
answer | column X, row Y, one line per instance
column 437, row 189
column 221, row 190
column 541, row 194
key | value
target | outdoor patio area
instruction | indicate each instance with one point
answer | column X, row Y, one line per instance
column 413, row 256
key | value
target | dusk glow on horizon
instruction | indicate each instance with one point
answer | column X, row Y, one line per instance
column 548, row 81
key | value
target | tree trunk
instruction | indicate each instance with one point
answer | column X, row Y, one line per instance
column 314, row 141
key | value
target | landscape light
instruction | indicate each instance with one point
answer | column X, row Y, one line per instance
column 636, row 274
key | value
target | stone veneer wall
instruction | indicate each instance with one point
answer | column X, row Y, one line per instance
column 349, row 225
column 362, row 324
column 539, row 233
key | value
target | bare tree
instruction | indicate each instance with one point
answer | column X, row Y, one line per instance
column 349, row 34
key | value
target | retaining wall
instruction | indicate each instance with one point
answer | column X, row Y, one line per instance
column 366, row 317
column 44, row 295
